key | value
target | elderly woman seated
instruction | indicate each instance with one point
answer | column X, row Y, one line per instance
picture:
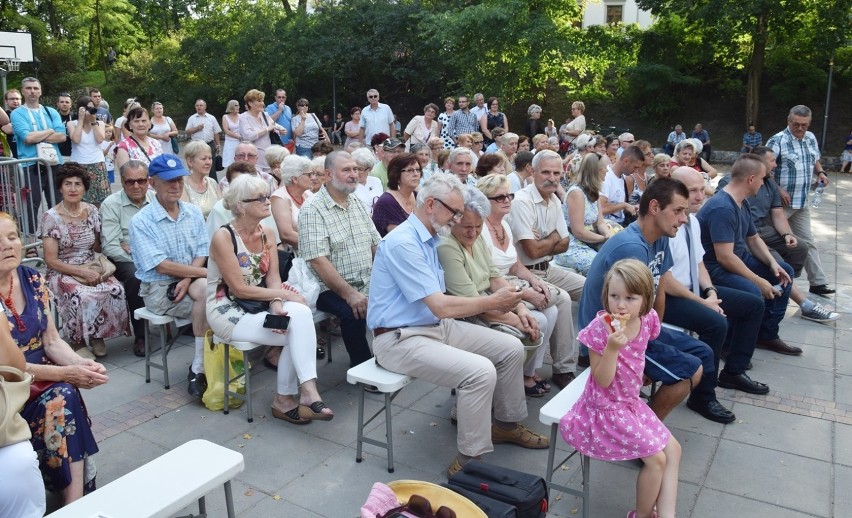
column 90, row 299
column 243, row 265
column 61, row 430
column 687, row 152
column 469, row 271
column 394, row 206
column 369, row 187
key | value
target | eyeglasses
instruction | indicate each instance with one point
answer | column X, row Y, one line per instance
column 261, row 199
column 457, row 214
column 314, row 174
column 411, row 170
column 627, row 141
column 131, row 181
column 245, row 155
column 372, row 97
column 502, row 197
column 478, row 142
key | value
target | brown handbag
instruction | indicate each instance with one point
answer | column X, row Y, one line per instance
column 100, row 264
column 14, row 393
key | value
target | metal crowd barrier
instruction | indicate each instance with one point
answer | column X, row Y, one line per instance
column 26, row 192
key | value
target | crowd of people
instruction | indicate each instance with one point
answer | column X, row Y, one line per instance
column 459, row 245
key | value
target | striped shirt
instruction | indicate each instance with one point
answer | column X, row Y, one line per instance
column 796, row 159
column 462, row 122
column 345, row 236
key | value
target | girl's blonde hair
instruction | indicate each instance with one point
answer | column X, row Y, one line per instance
column 637, row 279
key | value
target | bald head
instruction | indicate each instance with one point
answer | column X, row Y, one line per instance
column 694, row 183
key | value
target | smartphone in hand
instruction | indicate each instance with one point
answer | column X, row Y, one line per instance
column 276, row 321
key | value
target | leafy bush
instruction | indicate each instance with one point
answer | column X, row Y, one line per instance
column 61, row 68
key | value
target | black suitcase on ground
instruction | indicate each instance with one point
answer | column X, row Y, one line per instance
column 492, row 508
column 527, row 493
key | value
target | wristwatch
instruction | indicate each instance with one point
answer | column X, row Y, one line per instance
column 706, row 291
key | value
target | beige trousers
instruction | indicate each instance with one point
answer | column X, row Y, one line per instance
column 562, row 348
column 484, row 366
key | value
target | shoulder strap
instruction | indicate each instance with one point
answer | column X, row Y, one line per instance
column 138, row 145
column 233, row 236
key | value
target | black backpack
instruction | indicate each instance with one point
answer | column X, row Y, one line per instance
column 527, row 493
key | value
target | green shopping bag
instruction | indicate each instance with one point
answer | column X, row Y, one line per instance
column 214, row 367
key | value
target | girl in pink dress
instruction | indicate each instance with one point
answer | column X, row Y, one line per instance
column 609, row 422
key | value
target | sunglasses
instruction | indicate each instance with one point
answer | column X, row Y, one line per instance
column 261, row 199
column 372, row 97
column 502, row 197
column 130, row 181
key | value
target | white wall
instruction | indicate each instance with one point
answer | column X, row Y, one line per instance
column 595, row 13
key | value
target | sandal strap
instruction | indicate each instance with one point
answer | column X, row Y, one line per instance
column 317, row 407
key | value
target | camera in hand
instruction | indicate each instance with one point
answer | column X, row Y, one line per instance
column 92, row 110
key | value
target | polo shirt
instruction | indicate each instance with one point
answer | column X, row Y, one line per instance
column 116, row 213
column 375, row 121
column 529, row 211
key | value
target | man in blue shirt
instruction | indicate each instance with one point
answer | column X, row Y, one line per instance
column 675, row 137
column 679, row 361
column 416, row 331
column 282, row 114
column 170, row 245
column 735, row 255
column 701, row 134
column 751, row 139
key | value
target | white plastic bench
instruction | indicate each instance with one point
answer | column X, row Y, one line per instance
column 550, row 414
column 163, row 321
column 390, row 384
column 163, row 486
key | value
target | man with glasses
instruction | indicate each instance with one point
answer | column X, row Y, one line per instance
column 416, row 331
column 12, row 100
column 462, row 121
column 626, row 140
column 540, row 233
column 282, row 114
column 376, row 117
column 170, row 244
column 247, row 152
column 798, row 163
column 116, row 212
column 63, row 106
column 338, row 240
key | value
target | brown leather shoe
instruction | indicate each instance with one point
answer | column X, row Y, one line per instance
column 777, row 345
column 520, row 435
column 454, row 468
column 562, row 379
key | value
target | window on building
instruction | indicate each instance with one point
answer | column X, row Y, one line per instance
column 614, row 14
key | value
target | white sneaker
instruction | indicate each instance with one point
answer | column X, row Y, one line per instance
column 820, row 314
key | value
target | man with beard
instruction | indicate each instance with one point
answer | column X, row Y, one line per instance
column 338, row 240
column 416, row 331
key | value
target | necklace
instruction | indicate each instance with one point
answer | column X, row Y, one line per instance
column 500, row 238
column 65, row 209
column 298, row 200
column 10, row 304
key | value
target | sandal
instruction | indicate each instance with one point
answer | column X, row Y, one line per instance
column 291, row 416
column 314, row 412
column 545, row 386
column 534, row 391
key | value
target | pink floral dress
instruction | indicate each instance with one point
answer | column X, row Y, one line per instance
column 613, row 424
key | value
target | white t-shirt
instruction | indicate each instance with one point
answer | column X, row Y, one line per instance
column 613, row 189
column 369, row 193
column 680, row 254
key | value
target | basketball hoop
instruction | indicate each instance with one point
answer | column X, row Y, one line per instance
column 12, row 64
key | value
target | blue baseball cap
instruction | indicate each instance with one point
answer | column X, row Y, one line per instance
column 167, row 167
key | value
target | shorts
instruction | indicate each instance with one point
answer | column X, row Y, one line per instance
column 669, row 358
column 154, row 296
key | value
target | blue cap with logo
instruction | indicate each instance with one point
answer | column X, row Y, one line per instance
column 167, row 167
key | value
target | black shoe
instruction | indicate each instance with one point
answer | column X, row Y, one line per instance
column 562, row 380
column 778, row 345
column 821, row 290
column 582, row 362
column 742, row 382
column 197, row 383
column 712, row 410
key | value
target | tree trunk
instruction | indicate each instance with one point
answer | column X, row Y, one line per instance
column 100, row 54
column 755, row 72
column 51, row 20
column 303, row 6
column 287, row 8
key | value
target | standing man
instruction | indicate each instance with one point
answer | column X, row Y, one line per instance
column 169, row 244
column 613, row 197
column 462, row 121
column 338, row 240
column 701, row 134
column 735, row 255
column 540, row 232
column 12, row 100
column 479, row 109
column 675, row 137
column 797, row 154
column 281, row 114
column 204, row 127
column 116, row 212
column 103, row 111
column 63, row 106
column 36, row 125
column 111, row 57
column 376, row 117
column 416, row 331
column 751, row 139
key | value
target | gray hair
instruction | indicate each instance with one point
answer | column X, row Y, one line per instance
column 684, row 143
column 294, row 166
column 458, row 151
column 545, row 154
column 276, row 155
column 533, row 109
column 418, row 147
column 29, row 80
column 330, row 160
column 439, row 186
column 132, row 164
column 697, row 145
column 584, row 141
column 476, row 202
column 364, row 158
column 800, row 110
column 243, row 187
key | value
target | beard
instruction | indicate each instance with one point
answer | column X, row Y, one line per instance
column 440, row 230
column 344, row 187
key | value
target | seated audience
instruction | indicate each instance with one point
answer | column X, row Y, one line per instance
column 394, row 206
column 490, row 163
column 274, row 156
column 520, row 177
column 416, row 331
column 369, row 187
column 198, row 188
column 170, row 245
column 116, row 212
column 62, row 433
column 243, row 265
column 661, row 167
column 461, row 164
column 390, row 147
column 424, row 158
column 613, row 198
column 91, row 304
column 247, row 152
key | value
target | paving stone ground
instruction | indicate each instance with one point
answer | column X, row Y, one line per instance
column 789, row 454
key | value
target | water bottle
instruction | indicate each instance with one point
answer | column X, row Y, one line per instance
column 818, row 194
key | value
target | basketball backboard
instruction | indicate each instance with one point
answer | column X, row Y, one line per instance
column 16, row 45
